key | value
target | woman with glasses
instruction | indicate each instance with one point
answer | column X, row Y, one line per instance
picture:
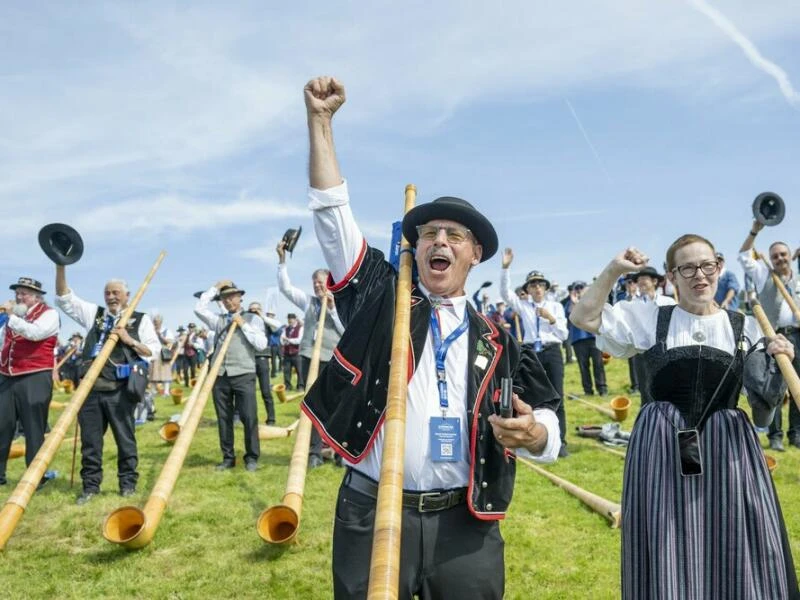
column 700, row 515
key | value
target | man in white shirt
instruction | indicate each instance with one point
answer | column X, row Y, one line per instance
column 780, row 315
column 262, row 360
column 27, row 343
column 109, row 403
column 457, row 477
column 545, row 329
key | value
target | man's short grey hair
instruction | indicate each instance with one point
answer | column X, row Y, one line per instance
column 121, row 282
column 323, row 272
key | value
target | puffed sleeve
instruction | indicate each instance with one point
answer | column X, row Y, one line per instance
column 627, row 328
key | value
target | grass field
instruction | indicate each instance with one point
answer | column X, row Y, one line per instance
column 207, row 545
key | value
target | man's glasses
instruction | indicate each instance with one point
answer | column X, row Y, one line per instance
column 688, row 271
column 455, row 235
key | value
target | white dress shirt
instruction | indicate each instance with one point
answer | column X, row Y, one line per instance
column 254, row 335
column 534, row 325
column 342, row 242
column 83, row 313
column 44, row 327
column 300, row 299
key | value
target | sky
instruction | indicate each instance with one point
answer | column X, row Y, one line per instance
column 578, row 128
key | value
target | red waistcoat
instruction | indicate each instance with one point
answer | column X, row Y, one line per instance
column 20, row 355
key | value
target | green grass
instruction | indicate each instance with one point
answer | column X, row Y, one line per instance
column 207, row 546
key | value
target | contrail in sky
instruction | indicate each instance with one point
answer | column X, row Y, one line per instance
column 750, row 50
column 588, row 141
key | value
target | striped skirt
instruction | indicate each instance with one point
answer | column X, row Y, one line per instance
column 715, row 535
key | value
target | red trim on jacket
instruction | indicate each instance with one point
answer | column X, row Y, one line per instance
column 335, row 445
column 20, row 356
column 348, row 366
column 335, row 287
column 484, row 515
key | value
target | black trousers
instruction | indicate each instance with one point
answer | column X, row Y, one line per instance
column 275, row 360
column 315, row 449
column 586, row 351
column 568, row 354
column 444, row 554
column 550, row 357
column 187, row 366
column 262, row 374
column 237, row 395
column 288, row 363
column 25, row 398
column 101, row 410
column 633, row 375
column 776, row 427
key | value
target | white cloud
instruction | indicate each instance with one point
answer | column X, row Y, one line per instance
column 749, row 48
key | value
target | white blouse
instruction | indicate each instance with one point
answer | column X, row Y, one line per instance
column 628, row 328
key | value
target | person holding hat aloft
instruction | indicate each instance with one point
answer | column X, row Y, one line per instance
column 455, row 489
column 235, row 386
column 27, row 346
column 545, row 329
column 109, row 404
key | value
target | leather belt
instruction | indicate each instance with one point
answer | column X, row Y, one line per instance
column 423, row 502
column 788, row 330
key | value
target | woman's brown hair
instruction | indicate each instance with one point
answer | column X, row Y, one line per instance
column 685, row 240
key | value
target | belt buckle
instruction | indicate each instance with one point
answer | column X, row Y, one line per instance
column 421, row 504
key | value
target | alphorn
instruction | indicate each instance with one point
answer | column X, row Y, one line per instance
column 272, row 432
column 601, row 409
column 784, row 363
column 278, row 524
column 781, row 287
column 18, row 501
column 384, row 569
column 169, row 431
column 133, row 528
column 610, row 510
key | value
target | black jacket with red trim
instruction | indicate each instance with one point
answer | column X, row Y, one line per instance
column 348, row 401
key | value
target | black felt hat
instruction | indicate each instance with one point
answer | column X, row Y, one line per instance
column 290, row 238
column 536, row 276
column 452, row 209
column 61, row 243
column 29, row 283
column 650, row 272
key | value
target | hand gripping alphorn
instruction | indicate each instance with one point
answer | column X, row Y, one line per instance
column 133, row 528
column 610, row 510
column 384, row 569
column 278, row 524
column 18, row 501
column 784, row 364
column 169, row 431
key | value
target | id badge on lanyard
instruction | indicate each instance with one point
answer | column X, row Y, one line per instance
column 445, row 432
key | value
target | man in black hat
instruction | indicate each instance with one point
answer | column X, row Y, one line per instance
column 457, row 478
column 647, row 281
column 27, row 348
column 109, row 403
column 545, row 329
column 235, row 386
column 71, row 367
column 270, row 325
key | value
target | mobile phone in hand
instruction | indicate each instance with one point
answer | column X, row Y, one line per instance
column 506, row 405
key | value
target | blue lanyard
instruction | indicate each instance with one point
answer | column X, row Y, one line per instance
column 440, row 351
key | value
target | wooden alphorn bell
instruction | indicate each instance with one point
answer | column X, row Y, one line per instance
column 384, row 570
column 169, row 431
column 278, row 524
column 608, row 509
column 133, row 528
column 18, row 501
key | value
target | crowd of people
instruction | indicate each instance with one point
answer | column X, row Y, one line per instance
column 694, row 468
